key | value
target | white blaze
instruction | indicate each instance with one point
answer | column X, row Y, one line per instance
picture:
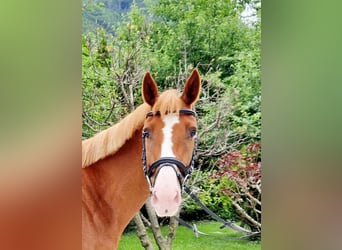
column 166, row 196
column 166, row 147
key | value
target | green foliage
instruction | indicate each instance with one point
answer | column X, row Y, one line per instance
column 112, row 69
column 245, row 89
column 210, row 195
column 104, row 14
column 98, row 91
column 196, row 32
column 241, row 170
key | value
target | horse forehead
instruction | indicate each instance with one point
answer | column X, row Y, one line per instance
column 170, row 120
column 166, row 147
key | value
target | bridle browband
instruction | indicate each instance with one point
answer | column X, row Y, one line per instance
column 183, row 172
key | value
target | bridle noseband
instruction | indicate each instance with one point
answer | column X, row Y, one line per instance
column 183, row 172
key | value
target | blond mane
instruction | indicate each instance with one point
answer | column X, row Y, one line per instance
column 168, row 102
column 109, row 141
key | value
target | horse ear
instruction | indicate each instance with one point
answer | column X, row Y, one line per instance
column 192, row 88
column 149, row 89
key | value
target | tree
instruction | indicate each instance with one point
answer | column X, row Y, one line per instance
column 104, row 14
column 111, row 74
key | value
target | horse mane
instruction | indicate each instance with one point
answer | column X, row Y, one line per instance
column 109, row 141
column 168, row 102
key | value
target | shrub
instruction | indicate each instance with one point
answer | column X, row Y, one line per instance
column 208, row 191
column 241, row 171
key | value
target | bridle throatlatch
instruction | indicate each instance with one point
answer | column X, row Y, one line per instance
column 183, row 172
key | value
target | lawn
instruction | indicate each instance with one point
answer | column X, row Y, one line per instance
column 185, row 239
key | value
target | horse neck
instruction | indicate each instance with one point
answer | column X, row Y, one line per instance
column 113, row 191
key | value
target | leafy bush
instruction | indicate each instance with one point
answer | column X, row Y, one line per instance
column 208, row 191
column 241, row 170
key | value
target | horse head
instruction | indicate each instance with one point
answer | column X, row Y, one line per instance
column 169, row 141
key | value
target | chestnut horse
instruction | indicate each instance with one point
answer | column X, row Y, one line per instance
column 151, row 151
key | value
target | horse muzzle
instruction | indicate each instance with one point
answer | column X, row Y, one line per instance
column 166, row 192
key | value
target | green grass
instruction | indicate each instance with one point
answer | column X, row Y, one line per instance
column 186, row 240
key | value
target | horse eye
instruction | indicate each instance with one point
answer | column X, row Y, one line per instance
column 146, row 133
column 193, row 132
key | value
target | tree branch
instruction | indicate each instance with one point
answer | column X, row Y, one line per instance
column 161, row 242
column 145, row 220
column 141, row 232
column 173, row 224
column 245, row 215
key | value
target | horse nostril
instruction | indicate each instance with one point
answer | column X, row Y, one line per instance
column 177, row 198
column 155, row 197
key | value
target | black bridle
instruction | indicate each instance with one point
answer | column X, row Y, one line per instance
column 183, row 172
